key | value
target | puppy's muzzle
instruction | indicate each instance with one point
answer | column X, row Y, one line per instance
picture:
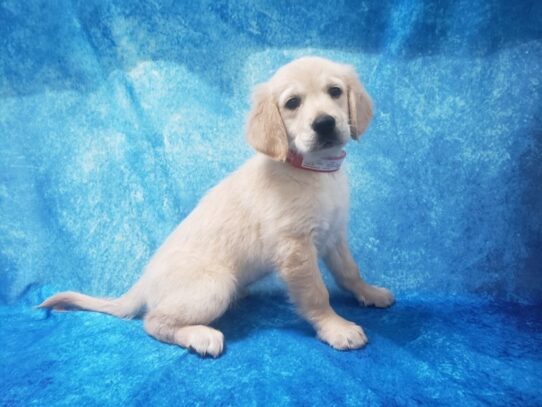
column 324, row 126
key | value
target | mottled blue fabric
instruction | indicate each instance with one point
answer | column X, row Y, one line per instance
column 115, row 118
column 424, row 351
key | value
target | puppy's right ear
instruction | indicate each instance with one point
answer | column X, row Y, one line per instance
column 265, row 130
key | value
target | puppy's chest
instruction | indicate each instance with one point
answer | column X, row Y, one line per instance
column 328, row 214
column 327, row 226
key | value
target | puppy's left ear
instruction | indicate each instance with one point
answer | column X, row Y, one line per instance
column 360, row 107
column 265, row 131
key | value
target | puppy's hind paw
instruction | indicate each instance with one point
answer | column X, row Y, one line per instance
column 203, row 340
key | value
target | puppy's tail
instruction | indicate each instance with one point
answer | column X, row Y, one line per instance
column 127, row 306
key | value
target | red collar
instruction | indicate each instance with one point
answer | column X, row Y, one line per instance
column 315, row 162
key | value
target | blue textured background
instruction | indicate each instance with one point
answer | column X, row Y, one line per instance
column 115, row 117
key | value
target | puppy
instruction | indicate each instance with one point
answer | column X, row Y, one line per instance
column 282, row 210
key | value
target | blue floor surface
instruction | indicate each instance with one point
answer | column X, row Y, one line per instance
column 426, row 351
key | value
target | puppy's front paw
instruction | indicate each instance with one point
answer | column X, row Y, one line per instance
column 342, row 334
column 376, row 296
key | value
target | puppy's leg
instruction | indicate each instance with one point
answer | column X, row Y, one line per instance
column 200, row 338
column 187, row 297
column 343, row 268
column 182, row 318
column 298, row 267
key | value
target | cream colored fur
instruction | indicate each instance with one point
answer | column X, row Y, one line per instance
column 265, row 216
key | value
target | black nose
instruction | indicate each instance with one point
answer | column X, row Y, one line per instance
column 324, row 125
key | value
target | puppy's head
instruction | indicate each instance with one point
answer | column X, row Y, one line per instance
column 310, row 104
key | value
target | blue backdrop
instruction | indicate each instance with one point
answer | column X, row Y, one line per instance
column 115, row 118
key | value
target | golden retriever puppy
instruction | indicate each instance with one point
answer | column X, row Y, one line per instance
column 282, row 210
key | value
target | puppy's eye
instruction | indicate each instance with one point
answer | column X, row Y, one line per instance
column 335, row 92
column 292, row 103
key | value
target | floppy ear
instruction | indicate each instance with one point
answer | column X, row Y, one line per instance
column 265, row 130
column 360, row 109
